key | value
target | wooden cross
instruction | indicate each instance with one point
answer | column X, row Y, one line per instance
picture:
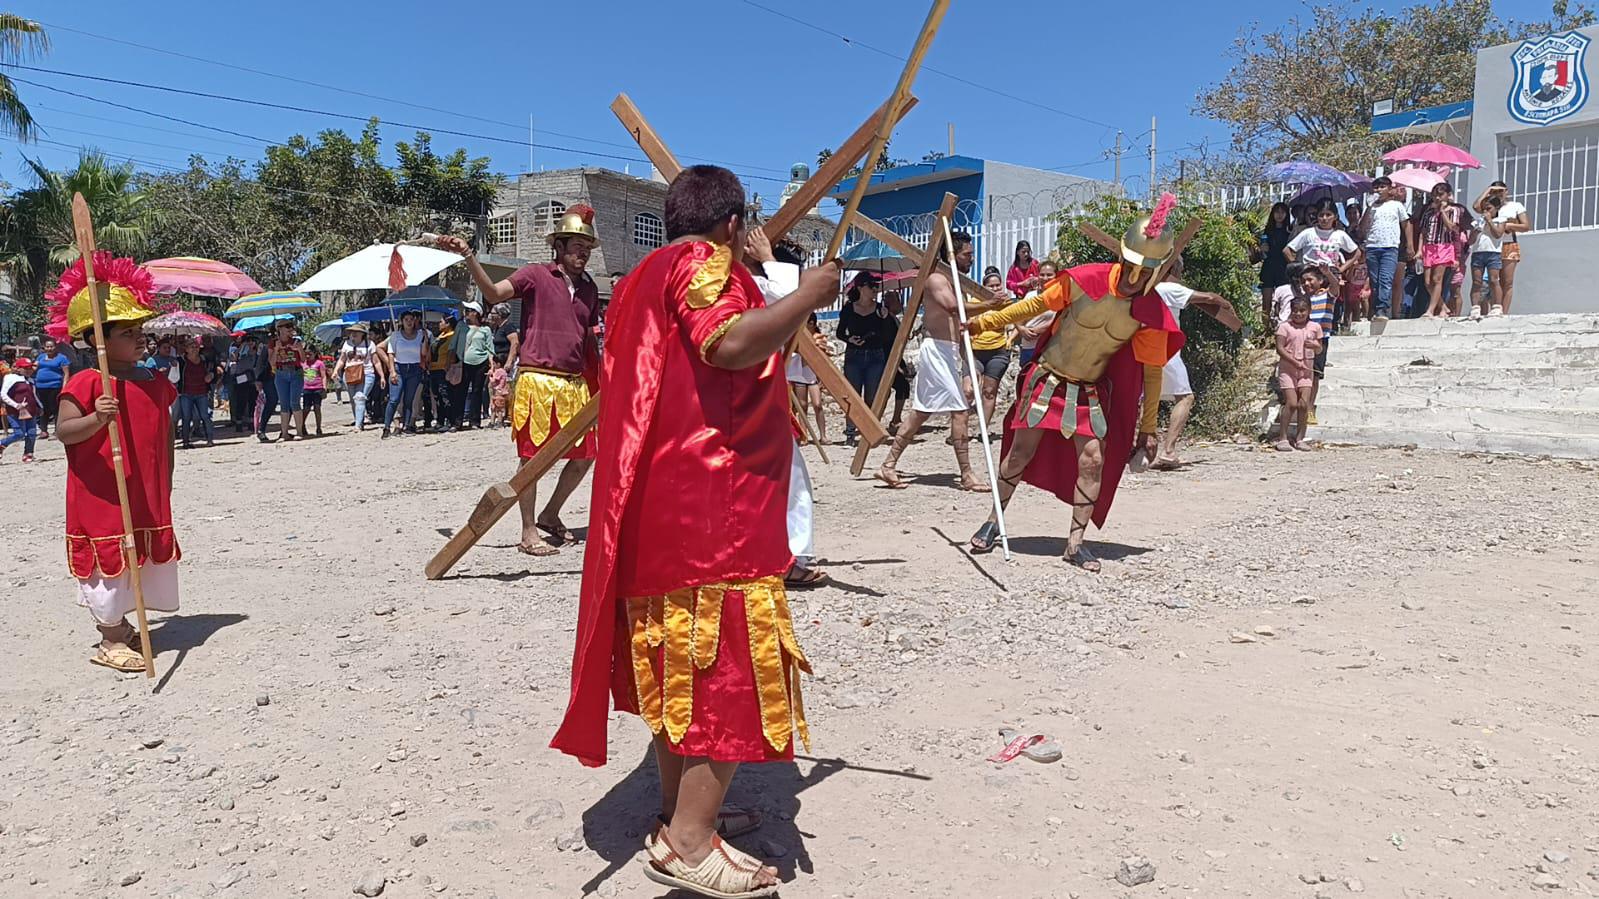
column 1222, row 312
column 907, row 323
column 827, row 374
column 500, row 498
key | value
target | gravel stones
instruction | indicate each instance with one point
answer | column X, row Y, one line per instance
column 1135, row 870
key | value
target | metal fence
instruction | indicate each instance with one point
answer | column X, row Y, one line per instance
column 1556, row 176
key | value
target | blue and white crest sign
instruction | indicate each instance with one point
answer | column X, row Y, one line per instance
column 1551, row 81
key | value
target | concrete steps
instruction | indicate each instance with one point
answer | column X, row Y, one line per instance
column 1514, row 384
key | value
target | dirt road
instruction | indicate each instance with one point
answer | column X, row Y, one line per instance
column 1299, row 675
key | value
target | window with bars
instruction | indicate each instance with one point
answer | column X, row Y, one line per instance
column 1555, row 174
column 502, row 232
column 546, row 215
column 648, row 230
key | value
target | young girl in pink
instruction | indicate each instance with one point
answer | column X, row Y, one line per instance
column 1298, row 342
column 499, row 392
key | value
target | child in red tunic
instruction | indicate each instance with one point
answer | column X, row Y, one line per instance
column 140, row 402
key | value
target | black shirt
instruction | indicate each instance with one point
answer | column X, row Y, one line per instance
column 876, row 329
column 502, row 340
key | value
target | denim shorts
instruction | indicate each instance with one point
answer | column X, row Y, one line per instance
column 993, row 363
column 1491, row 259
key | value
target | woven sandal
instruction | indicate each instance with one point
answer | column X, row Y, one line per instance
column 726, row 873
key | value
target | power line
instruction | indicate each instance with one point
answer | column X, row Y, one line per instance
column 159, row 115
column 337, row 115
column 926, row 68
column 189, row 134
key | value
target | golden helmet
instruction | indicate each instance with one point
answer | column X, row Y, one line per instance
column 577, row 221
column 128, row 297
column 1150, row 240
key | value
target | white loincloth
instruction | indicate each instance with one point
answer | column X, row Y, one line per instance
column 938, row 378
column 1174, row 379
column 798, row 372
column 801, row 538
column 109, row 600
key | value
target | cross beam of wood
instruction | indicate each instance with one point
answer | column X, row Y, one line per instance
column 907, row 249
column 907, row 323
column 827, row 374
column 500, row 498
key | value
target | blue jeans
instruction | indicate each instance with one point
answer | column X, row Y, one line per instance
column 194, row 414
column 358, row 397
column 289, row 382
column 405, row 394
column 863, row 368
column 1381, row 263
column 24, row 429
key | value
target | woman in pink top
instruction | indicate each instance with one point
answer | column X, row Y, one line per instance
column 1023, row 278
column 1298, row 342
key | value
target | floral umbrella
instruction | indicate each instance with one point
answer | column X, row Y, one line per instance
column 186, row 323
column 1303, row 171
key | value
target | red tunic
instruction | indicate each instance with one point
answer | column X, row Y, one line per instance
column 1054, row 466
column 691, row 486
column 94, row 514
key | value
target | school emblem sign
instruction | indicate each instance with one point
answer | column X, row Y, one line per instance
column 1551, row 82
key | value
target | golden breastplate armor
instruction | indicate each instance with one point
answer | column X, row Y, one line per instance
column 1092, row 332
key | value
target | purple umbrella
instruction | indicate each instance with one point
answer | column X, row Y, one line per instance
column 1358, row 185
column 1303, row 171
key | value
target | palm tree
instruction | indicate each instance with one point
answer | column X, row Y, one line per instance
column 36, row 237
column 20, row 39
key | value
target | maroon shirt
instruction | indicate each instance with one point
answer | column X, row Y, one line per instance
column 556, row 322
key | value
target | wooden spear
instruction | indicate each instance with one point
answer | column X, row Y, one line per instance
column 885, row 127
column 83, row 230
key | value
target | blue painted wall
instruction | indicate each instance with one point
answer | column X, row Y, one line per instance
column 921, row 198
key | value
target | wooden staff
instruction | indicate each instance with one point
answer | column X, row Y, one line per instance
column 83, row 231
column 982, row 414
column 907, row 77
column 907, row 323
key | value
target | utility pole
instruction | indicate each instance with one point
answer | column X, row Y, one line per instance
column 1152, row 160
column 952, row 138
column 530, row 166
column 1118, row 154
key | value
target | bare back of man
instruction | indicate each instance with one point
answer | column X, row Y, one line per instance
column 940, row 386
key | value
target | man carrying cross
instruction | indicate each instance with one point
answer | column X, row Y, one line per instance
column 1077, row 406
column 683, row 618
column 557, row 360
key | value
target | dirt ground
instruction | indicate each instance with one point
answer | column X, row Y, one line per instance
column 1299, row 675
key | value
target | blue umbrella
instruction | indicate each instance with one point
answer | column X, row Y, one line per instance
column 252, row 322
column 424, row 296
column 1303, row 171
column 874, row 255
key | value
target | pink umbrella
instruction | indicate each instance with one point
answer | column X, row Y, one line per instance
column 201, row 277
column 1419, row 179
column 186, row 323
column 1433, row 153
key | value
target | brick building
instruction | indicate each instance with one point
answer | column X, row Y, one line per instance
column 629, row 217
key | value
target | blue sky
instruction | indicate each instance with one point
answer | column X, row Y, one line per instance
column 752, row 83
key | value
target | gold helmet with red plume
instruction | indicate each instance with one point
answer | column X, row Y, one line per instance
column 1151, row 239
column 129, row 295
column 577, row 221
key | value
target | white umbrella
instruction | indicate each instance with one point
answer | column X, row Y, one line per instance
column 369, row 268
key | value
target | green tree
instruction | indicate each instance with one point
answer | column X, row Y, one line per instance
column 884, row 162
column 454, row 192
column 1216, row 260
column 37, row 240
column 1305, row 90
column 20, row 39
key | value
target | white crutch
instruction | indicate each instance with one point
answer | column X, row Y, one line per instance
column 977, row 389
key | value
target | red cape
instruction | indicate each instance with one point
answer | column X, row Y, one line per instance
column 698, row 456
column 1054, row 467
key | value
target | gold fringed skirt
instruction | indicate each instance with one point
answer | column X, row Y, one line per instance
column 716, row 669
column 541, row 405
